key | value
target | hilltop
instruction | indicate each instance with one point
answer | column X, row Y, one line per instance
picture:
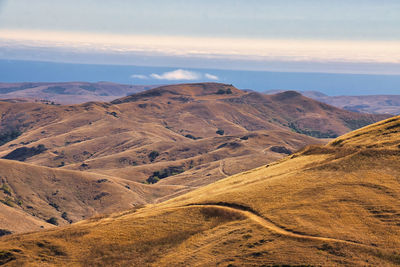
column 324, row 205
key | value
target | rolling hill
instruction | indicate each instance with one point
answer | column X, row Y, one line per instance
column 68, row 92
column 192, row 128
column 150, row 146
column 326, row 205
column 374, row 104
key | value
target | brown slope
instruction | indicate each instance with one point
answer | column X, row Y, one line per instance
column 38, row 193
column 322, row 206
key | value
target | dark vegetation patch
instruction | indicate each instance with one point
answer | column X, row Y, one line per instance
column 313, row 133
column 5, row 232
column 23, row 153
column 224, row 92
column 140, row 96
column 101, row 195
column 153, row 155
column 6, row 256
column 90, row 88
column 56, row 90
column 113, row 113
column 158, row 175
column 191, row 137
column 50, row 249
column 397, row 125
column 230, row 205
column 64, row 215
column 6, row 189
column 84, row 166
column 101, row 181
column 52, row 220
column 337, row 142
column 182, row 99
column 230, row 145
column 9, row 136
column 225, row 214
column 220, row 132
column 54, row 205
column 281, row 149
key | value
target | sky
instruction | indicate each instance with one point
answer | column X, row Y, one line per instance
column 350, row 31
column 341, row 36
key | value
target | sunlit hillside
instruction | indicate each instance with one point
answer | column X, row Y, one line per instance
column 325, row 205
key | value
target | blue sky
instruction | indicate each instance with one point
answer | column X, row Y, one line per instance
column 341, row 36
column 292, row 19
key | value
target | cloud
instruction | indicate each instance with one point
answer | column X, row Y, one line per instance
column 211, row 77
column 139, row 76
column 177, row 75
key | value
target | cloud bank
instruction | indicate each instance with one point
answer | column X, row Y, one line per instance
column 177, row 75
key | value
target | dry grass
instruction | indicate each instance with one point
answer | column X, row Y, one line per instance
column 350, row 194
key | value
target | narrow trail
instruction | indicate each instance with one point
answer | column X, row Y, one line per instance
column 252, row 215
column 221, row 169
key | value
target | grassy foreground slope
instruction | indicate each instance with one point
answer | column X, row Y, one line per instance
column 325, row 205
column 31, row 195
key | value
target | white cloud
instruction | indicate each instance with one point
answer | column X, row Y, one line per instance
column 177, row 75
column 211, row 77
column 139, row 76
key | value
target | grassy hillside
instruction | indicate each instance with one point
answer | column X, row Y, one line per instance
column 42, row 197
column 189, row 126
column 325, row 205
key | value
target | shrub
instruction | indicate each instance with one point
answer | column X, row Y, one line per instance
column 220, row 92
column 153, row 155
column 191, row 137
column 7, row 137
column 220, row 132
column 6, row 189
column 158, row 175
column 5, row 232
column 52, row 220
column 64, row 215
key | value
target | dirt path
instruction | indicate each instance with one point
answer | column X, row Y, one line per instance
column 252, row 215
column 221, row 169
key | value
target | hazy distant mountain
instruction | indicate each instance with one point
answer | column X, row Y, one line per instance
column 68, row 92
column 375, row 104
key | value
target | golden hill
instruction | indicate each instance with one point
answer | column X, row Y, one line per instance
column 179, row 137
column 37, row 194
column 329, row 205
